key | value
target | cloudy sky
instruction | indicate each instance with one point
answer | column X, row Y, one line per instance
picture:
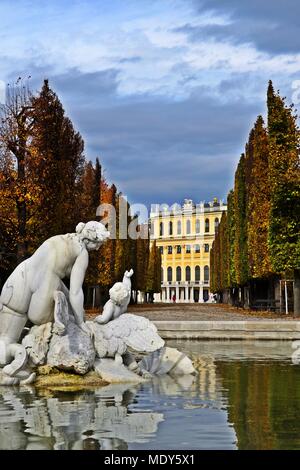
column 163, row 91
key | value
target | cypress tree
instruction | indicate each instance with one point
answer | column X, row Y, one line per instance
column 258, row 201
column 59, row 167
column 240, row 239
column 284, row 173
column 232, row 278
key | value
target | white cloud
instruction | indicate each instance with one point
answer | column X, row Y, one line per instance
column 93, row 37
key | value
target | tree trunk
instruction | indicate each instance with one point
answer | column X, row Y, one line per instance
column 297, row 292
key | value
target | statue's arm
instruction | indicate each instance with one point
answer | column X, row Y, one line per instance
column 107, row 314
column 127, row 279
column 76, row 281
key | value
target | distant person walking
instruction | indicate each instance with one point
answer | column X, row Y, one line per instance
column 174, row 298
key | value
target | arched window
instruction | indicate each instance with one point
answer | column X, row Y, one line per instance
column 197, row 273
column 197, row 248
column 216, row 223
column 188, row 227
column 197, row 226
column 178, row 274
column 187, row 273
column 206, row 273
column 161, row 275
column 178, row 227
column 206, row 225
column 170, row 228
column 169, row 274
column 161, row 229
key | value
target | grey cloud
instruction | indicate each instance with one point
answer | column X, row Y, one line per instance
column 165, row 151
column 154, row 149
column 271, row 25
column 133, row 60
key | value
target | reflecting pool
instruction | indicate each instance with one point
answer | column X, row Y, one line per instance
column 246, row 395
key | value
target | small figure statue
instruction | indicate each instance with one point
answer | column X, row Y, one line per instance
column 119, row 298
column 28, row 294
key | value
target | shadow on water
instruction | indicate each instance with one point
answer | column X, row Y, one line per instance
column 245, row 395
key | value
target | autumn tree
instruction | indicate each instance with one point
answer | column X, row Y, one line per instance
column 240, row 239
column 57, row 165
column 258, row 201
column 153, row 279
column 17, row 192
column 284, row 173
column 142, row 258
column 107, row 252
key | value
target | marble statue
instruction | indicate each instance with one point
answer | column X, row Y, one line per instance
column 119, row 298
column 28, row 294
column 118, row 346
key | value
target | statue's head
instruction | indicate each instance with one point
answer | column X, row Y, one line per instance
column 93, row 234
column 118, row 293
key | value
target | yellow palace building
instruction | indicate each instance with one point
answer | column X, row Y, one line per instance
column 185, row 235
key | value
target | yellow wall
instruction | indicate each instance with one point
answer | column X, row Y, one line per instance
column 185, row 259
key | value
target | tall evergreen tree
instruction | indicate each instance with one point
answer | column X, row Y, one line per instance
column 153, row 280
column 240, row 240
column 232, row 277
column 258, row 200
column 284, row 173
column 59, row 166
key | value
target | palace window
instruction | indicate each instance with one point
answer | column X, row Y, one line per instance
column 187, row 273
column 170, row 228
column 197, row 273
column 188, row 227
column 178, row 249
column 206, row 273
column 197, row 226
column 170, row 250
column 206, row 248
column 161, row 229
column 152, row 228
column 188, row 248
column 161, row 249
column 178, row 227
column 178, row 274
column 169, row 274
column 216, row 223
column 206, row 225
column 197, row 248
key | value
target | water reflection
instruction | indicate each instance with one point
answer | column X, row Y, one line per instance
column 244, row 396
column 96, row 419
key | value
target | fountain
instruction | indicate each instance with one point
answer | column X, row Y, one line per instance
column 116, row 347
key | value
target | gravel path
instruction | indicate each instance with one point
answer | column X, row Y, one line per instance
column 204, row 312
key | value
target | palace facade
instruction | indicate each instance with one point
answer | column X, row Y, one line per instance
column 184, row 235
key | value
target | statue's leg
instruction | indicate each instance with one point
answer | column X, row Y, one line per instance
column 11, row 327
column 19, row 355
column 41, row 307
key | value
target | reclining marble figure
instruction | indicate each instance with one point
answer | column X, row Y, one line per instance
column 28, row 294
